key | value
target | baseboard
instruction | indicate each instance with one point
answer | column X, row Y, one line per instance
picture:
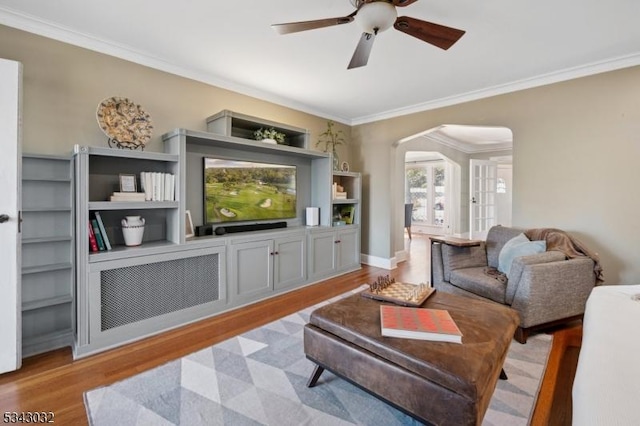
column 379, row 262
column 402, row 256
column 37, row 345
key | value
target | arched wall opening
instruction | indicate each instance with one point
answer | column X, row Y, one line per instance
column 456, row 157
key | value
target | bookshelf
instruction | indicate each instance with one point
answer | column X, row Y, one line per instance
column 47, row 253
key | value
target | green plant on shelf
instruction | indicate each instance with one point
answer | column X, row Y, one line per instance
column 269, row 133
column 331, row 138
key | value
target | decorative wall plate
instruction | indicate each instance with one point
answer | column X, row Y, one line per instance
column 125, row 123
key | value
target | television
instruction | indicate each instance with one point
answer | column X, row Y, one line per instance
column 239, row 191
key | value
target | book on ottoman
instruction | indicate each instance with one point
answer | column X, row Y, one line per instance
column 419, row 323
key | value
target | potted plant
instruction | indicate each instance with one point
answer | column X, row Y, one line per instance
column 331, row 138
column 269, row 135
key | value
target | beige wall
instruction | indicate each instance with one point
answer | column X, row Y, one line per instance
column 63, row 86
column 576, row 144
column 575, row 163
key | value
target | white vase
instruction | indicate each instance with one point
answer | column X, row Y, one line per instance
column 132, row 230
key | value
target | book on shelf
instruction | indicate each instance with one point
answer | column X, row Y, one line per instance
column 127, row 196
column 98, row 236
column 338, row 192
column 93, row 244
column 419, row 323
column 103, row 231
column 158, row 186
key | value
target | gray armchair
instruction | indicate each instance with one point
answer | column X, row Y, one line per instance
column 545, row 288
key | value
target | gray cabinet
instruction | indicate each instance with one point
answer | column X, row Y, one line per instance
column 348, row 248
column 333, row 250
column 97, row 177
column 47, row 253
column 261, row 266
column 250, row 269
column 322, row 257
column 290, row 261
column 146, row 294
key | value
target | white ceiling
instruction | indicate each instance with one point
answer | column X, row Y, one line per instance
column 509, row 45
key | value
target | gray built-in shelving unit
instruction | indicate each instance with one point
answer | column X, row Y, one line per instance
column 337, row 248
column 47, row 253
column 128, row 293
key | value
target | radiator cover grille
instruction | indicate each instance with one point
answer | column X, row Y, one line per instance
column 140, row 292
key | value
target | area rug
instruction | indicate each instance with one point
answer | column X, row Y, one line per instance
column 259, row 378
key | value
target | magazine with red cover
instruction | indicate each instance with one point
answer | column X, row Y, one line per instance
column 419, row 323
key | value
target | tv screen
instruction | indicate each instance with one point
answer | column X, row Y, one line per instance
column 247, row 191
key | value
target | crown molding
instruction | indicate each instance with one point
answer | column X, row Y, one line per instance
column 467, row 148
column 25, row 22
column 528, row 83
column 31, row 24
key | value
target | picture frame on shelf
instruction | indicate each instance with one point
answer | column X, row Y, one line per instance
column 128, row 183
column 188, row 225
column 344, row 166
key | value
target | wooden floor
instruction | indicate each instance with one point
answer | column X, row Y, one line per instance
column 53, row 382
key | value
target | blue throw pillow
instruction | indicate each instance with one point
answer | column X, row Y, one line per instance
column 516, row 247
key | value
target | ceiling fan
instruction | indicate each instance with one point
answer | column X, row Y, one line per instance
column 375, row 16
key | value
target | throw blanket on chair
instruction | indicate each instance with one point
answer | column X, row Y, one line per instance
column 571, row 247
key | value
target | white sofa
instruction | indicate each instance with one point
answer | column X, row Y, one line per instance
column 606, row 390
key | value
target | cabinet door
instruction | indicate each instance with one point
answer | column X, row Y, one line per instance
column 348, row 248
column 322, row 254
column 290, row 265
column 251, row 266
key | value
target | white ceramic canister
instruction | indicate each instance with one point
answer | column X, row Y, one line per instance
column 132, row 230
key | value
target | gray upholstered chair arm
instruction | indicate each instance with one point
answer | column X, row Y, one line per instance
column 553, row 290
column 437, row 268
column 519, row 264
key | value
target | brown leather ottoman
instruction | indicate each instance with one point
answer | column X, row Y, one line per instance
column 434, row 382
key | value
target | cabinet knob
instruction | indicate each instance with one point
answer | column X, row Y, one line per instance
column 337, row 241
column 4, row 218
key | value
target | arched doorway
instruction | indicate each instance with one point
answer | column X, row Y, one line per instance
column 455, row 145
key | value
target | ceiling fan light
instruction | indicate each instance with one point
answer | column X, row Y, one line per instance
column 376, row 17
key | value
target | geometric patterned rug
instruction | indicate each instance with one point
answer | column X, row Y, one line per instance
column 259, row 378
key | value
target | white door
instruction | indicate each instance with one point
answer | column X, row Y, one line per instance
column 10, row 205
column 482, row 205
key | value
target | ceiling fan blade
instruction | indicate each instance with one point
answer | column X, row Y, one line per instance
column 403, row 3
column 294, row 27
column 363, row 50
column 438, row 35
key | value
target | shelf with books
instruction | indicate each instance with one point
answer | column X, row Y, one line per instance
column 141, row 183
column 345, row 200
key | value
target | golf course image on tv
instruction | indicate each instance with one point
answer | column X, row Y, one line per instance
column 237, row 191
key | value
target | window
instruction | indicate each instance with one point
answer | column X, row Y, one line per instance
column 501, row 187
column 425, row 183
